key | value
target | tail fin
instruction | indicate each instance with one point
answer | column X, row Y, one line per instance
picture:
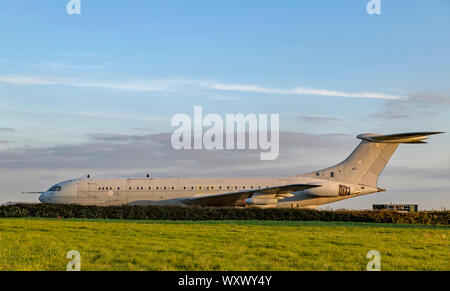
column 369, row 159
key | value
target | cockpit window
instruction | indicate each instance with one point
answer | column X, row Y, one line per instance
column 55, row 188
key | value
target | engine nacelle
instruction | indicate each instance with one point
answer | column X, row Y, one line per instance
column 261, row 201
column 326, row 189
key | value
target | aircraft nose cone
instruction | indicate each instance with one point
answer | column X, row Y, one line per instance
column 43, row 197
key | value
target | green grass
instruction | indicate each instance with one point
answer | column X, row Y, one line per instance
column 42, row 244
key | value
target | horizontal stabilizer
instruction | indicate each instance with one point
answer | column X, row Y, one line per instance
column 412, row 137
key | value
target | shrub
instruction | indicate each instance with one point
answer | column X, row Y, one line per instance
column 197, row 213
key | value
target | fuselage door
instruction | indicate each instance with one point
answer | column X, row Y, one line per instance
column 92, row 187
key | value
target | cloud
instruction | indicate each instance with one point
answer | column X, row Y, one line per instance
column 115, row 116
column 154, row 153
column 224, row 98
column 7, row 129
column 144, row 129
column 165, row 85
column 430, row 173
column 28, row 81
column 297, row 91
column 49, row 177
column 430, row 99
column 393, row 115
column 65, row 66
column 415, row 105
column 318, row 119
column 89, row 114
column 113, row 85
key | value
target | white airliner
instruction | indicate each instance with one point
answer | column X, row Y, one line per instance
column 355, row 176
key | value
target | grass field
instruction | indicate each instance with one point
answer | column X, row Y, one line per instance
column 38, row 244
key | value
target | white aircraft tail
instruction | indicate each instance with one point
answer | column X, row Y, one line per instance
column 368, row 160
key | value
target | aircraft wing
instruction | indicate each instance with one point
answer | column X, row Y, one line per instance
column 238, row 198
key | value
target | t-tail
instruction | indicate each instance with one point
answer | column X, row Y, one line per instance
column 368, row 160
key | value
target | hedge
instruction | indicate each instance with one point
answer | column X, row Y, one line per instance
column 197, row 213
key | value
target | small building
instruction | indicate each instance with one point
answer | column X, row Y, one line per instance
column 397, row 207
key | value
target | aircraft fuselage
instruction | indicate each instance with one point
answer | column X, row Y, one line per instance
column 172, row 191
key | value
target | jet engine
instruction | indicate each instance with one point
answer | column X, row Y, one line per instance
column 326, row 189
column 261, row 201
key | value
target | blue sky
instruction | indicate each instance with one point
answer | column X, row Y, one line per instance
column 126, row 67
